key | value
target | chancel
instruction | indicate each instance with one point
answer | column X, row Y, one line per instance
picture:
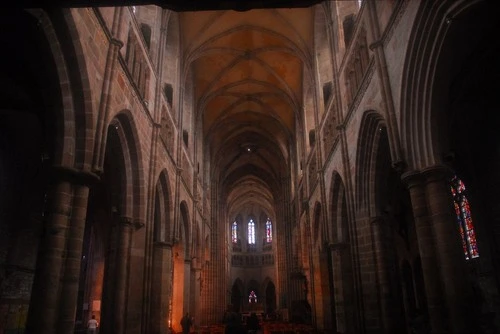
column 331, row 166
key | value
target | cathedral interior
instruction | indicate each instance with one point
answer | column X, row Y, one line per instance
column 329, row 165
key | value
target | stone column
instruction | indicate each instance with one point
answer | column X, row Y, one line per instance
column 450, row 255
column 195, row 292
column 161, row 293
column 343, row 286
column 71, row 275
column 427, row 250
column 390, row 310
column 44, row 304
column 187, row 286
column 125, row 228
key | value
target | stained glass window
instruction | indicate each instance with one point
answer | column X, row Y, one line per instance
column 269, row 230
column 251, row 232
column 234, row 232
column 464, row 219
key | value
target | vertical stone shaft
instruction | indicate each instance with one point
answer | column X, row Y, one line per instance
column 71, row 276
column 384, row 259
column 44, row 305
column 125, row 227
column 427, row 250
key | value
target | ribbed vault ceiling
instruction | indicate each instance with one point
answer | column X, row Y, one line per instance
column 248, row 70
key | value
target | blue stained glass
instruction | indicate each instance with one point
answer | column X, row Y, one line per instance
column 464, row 219
column 269, row 230
column 251, row 232
column 234, row 232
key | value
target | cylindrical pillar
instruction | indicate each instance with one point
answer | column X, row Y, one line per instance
column 44, row 304
column 125, row 228
column 195, row 292
column 71, row 275
column 449, row 248
column 161, row 293
column 427, row 250
column 385, row 270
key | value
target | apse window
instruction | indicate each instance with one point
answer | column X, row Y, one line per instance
column 251, row 232
column 269, row 231
column 234, row 232
column 464, row 219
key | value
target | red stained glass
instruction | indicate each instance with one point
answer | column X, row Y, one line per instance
column 464, row 219
column 269, row 230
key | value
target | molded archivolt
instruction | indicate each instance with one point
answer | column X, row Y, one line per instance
column 163, row 209
column 133, row 190
column 317, row 223
column 371, row 126
column 184, row 231
column 337, row 229
column 71, row 146
column 423, row 90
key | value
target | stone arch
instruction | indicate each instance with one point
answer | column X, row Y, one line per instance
column 449, row 99
column 78, row 119
column 171, row 63
column 238, row 295
column 163, row 209
column 339, row 230
column 324, row 56
column 34, row 105
column 391, row 220
column 372, row 124
column 269, row 295
column 74, row 144
column 132, row 198
column 430, row 39
column 185, row 229
column 340, row 257
column 161, row 264
column 253, row 285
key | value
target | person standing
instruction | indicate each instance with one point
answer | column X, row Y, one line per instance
column 92, row 325
column 186, row 323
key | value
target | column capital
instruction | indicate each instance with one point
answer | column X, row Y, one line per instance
column 412, row 178
column 163, row 244
column 138, row 224
column 399, row 165
column 436, row 173
column 339, row 245
column 126, row 221
column 73, row 175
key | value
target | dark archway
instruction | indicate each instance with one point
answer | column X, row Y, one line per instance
column 236, row 297
column 30, row 127
column 270, row 298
